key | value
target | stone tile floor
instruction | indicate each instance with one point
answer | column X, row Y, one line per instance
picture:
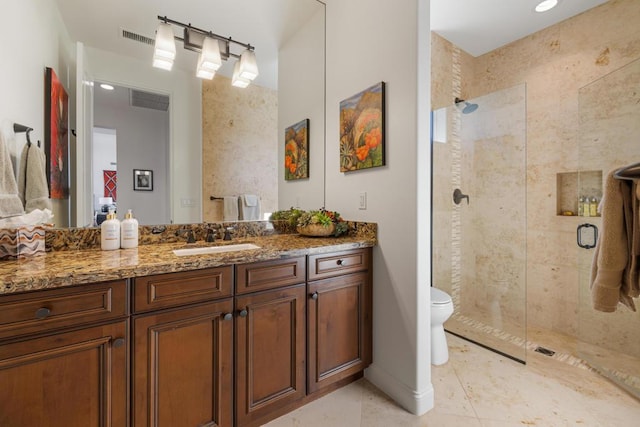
column 479, row 388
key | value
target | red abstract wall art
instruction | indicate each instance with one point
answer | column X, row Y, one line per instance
column 57, row 136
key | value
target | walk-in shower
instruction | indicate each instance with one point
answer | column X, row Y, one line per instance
column 609, row 138
column 479, row 217
column 505, row 225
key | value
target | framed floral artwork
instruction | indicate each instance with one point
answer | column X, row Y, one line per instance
column 296, row 151
column 362, row 142
column 56, row 136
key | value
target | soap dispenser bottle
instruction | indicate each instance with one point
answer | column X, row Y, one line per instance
column 129, row 231
column 110, row 233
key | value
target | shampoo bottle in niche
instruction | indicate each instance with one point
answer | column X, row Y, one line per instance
column 586, row 210
column 581, row 206
column 129, row 231
column 110, row 233
column 593, row 207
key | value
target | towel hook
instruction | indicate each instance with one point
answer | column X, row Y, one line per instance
column 17, row 128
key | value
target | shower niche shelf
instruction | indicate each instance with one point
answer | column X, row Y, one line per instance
column 572, row 185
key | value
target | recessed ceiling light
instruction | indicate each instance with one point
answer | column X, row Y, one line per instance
column 545, row 5
column 106, row 86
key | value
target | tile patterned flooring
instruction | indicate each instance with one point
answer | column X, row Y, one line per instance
column 479, row 388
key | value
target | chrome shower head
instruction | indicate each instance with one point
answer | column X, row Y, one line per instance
column 468, row 107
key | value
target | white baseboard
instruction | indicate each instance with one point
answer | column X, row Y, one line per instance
column 416, row 402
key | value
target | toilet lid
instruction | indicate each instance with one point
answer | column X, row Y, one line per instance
column 439, row 297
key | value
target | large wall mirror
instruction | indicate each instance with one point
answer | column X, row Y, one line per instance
column 222, row 140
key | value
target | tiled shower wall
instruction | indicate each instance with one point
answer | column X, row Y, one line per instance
column 239, row 139
column 553, row 64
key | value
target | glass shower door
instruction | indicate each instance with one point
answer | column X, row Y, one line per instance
column 609, row 138
column 479, row 218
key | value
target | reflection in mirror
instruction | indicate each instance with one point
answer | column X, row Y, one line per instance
column 295, row 92
column 131, row 132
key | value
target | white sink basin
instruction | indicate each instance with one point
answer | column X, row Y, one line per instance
column 215, row 249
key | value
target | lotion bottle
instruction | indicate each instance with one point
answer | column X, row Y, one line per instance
column 110, row 233
column 129, row 231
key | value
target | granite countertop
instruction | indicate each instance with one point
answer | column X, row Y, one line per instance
column 73, row 267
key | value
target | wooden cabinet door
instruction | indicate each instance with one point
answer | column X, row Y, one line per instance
column 339, row 328
column 75, row 378
column 183, row 367
column 270, row 352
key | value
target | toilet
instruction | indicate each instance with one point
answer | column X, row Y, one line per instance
column 441, row 310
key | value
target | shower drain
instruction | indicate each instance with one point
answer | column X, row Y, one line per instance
column 545, row 351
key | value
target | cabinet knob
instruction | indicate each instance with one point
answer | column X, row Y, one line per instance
column 314, row 296
column 339, row 262
column 42, row 313
column 244, row 312
column 118, row 342
column 227, row 316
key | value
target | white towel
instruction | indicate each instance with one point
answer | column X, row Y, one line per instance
column 249, row 207
column 230, row 208
column 10, row 204
column 32, row 179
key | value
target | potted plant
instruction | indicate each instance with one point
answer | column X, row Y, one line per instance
column 321, row 223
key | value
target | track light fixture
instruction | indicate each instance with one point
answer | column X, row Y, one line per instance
column 213, row 49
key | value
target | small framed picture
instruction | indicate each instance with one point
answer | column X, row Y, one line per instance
column 142, row 180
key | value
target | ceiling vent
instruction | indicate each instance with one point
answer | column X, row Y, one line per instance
column 153, row 101
column 126, row 34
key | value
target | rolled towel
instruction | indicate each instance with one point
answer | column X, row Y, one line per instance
column 10, row 204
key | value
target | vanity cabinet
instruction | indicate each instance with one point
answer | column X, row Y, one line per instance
column 182, row 353
column 64, row 357
column 339, row 332
column 270, row 339
column 237, row 345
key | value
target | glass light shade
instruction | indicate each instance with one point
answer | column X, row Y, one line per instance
column 165, row 45
column 162, row 63
column 210, row 58
column 205, row 74
column 237, row 80
column 248, row 65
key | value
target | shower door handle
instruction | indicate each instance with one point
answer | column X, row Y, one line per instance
column 458, row 196
column 579, row 236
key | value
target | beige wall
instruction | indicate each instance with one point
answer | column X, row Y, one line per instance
column 358, row 33
column 239, row 145
column 554, row 64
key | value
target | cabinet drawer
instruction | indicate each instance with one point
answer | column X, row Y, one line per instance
column 39, row 311
column 259, row 276
column 338, row 263
column 175, row 289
